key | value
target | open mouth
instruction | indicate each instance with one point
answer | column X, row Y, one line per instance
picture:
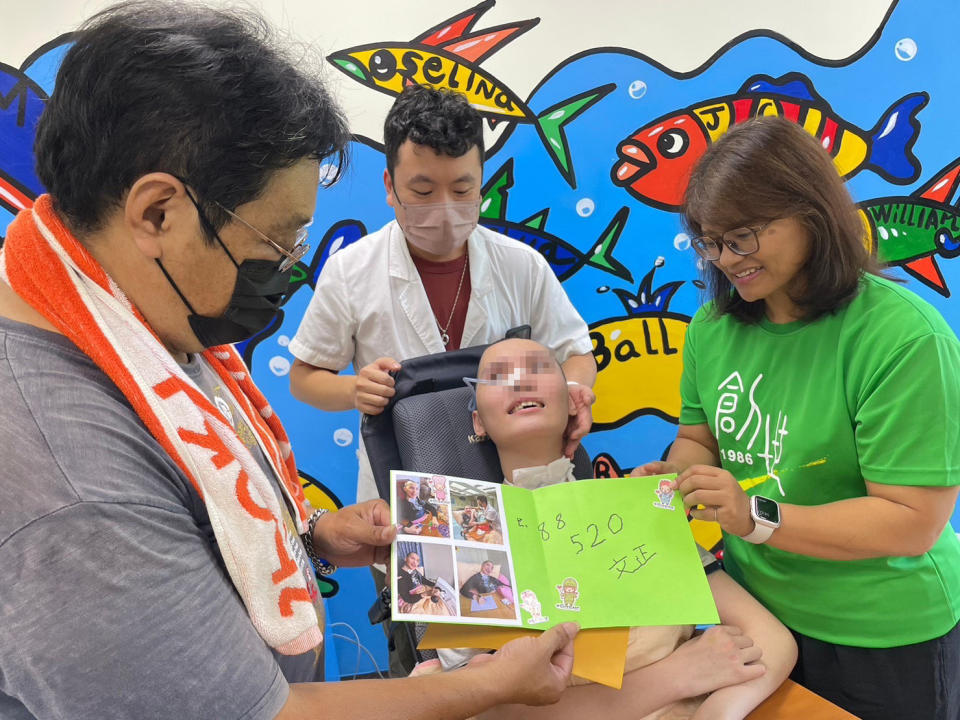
column 745, row 274
column 635, row 162
column 521, row 406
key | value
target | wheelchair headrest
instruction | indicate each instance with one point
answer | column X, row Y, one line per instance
column 429, row 433
column 432, row 431
column 417, row 376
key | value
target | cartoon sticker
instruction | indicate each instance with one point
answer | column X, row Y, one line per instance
column 569, row 591
column 530, row 603
column 665, row 493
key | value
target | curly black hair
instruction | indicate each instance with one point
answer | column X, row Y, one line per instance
column 205, row 94
column 438, row 118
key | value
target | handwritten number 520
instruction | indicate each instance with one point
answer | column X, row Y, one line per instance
column 614, row 525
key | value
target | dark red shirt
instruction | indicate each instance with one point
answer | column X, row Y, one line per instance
column 440, row 280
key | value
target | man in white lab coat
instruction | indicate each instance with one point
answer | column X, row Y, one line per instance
column 431, row 280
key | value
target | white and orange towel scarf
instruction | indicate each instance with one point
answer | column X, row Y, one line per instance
column 47, row 267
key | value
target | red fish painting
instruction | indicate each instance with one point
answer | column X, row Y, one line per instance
column 654, row 163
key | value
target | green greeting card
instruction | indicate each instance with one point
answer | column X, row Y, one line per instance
column 604, row 553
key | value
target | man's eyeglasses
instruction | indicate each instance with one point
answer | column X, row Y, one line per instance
column 742, row 241
column 291, row 256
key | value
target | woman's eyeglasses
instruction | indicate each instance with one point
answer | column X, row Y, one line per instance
column 742, row 241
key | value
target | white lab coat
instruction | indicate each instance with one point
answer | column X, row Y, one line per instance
column 369, row 302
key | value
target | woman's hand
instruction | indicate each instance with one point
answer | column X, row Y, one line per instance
column 719, row 492
column 658, row 467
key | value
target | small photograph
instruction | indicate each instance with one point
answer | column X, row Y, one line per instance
column 486, row 590
column 475, row 512
column 423, row 506
column 425, row 579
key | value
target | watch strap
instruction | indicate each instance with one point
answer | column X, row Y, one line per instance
column 761, row 533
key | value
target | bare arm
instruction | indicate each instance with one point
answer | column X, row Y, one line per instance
column 369, row 391
column 322, row 388
column 722, row 656
column 694, row 445
column 890, row 521
column 737, row 607
column 450, row 695
column 531, row 670
column 581, row 373
column 644, row 691
column 581, row 369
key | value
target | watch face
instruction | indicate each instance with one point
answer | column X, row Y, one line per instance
column 767, row 509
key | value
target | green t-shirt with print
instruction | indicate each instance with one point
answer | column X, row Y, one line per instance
column 803, row 412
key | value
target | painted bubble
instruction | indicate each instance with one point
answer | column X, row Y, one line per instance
column 905, row 49
column 279, row 365
column 637, row 89
column 328, row 172
column 585, row 207
column 342, row 437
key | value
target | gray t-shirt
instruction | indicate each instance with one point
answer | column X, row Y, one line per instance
column 114, row 600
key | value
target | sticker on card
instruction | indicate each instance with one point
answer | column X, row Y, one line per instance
column 529, row 603
column 569, row 591
column 665, row 494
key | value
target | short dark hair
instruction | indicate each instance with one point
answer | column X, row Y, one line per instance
column 436, row 117
column 769, row 168
column 204, row 94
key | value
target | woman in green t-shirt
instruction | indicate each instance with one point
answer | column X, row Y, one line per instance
column 819, row 425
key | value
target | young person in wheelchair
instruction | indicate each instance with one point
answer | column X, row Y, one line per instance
column 522, row 406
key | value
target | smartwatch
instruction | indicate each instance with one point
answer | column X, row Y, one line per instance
column 766, row 517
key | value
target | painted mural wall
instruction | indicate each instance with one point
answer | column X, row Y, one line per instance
column 594, row 115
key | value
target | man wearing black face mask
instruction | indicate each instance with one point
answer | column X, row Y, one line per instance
column 433, row 280
column 257, row 294
column 151, row 519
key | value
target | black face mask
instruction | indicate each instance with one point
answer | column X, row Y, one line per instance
column 257, row 296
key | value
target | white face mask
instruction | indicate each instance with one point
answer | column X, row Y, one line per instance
column 439, row 228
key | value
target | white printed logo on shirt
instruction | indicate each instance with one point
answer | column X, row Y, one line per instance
column 759, row 422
